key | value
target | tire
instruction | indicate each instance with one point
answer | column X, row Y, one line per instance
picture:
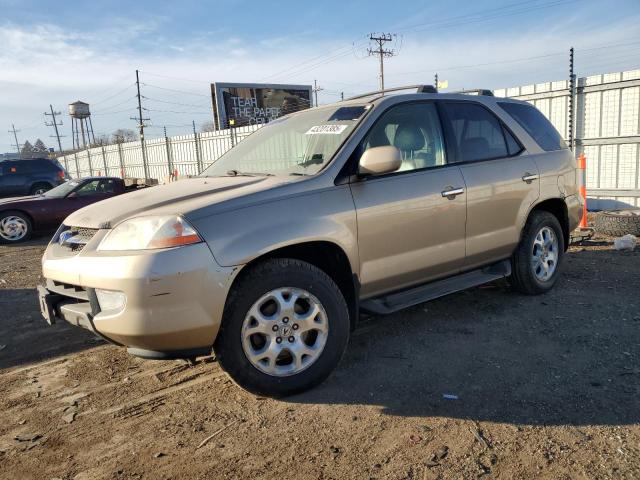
column 526, row 278
column 618, row 223
column 39, row 188
column 233, row 341
column 15, row 227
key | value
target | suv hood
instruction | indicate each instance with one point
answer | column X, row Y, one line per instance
column 181, row 197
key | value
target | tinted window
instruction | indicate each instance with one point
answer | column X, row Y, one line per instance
column 536, row 125
column 415, row 130
column 478, row 134
column 512, row 144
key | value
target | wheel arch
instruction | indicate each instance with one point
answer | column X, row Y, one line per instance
column 558, row 208
column 325, row 255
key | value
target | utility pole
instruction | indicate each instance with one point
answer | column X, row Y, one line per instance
column 54, row 124
column 141, row 127
column 196, row 139
column 15, row 136
column 342, row 96
column 316, row 89
column 381, row 52
column 572, row 96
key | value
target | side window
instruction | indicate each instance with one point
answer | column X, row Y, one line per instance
column 106, row 186
column 415, row 129
column 536, row 125
column 512, row 144
column 478, row 134
column 89, row 188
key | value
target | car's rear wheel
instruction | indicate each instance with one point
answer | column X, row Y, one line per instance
column 14, row 227
column 39, row 188
column 285, row 328
column 536, row 261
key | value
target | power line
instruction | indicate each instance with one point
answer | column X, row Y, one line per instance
column 175, row 90
column 381, row 52
column 175, row 103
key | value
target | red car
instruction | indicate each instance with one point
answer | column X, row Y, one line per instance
column 21, row 217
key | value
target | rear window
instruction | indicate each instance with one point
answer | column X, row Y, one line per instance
column 536, row 125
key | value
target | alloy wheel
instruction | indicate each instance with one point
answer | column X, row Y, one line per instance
column 285, row 331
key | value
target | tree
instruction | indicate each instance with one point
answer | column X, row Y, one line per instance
column 40, row 147
column 124, row 135
column 27, row 150
column 207, row 127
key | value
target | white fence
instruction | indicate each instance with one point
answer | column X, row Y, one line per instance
column 184, row 155
column 607, row 131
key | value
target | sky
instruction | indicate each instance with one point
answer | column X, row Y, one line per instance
column 53, row 53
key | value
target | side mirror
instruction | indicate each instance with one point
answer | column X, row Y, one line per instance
column 380, row 160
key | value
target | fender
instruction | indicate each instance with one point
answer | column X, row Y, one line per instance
column 237, row 237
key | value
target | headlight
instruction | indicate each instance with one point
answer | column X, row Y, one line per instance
column 144, row 233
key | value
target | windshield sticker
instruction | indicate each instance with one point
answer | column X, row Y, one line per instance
column 327, row 130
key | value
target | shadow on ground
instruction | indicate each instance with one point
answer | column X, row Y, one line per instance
column 26, row 338
column 567, row 357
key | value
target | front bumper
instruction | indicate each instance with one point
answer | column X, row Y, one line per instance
column 174, row 297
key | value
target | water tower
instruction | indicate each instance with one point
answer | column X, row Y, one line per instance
column 81, row 124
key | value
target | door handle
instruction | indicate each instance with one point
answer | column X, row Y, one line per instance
column 451, row 193
column 530, row 177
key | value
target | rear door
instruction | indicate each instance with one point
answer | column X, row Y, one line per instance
column 13, row 179
column 502, row 182
column 409, row 232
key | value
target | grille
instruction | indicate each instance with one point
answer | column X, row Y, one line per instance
column 75, row 238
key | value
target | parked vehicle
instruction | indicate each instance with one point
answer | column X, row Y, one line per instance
column 30, row 177
column 21, row 217
column 376, row 203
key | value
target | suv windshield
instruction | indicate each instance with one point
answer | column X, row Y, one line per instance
column 61, row 190
column 298, row 144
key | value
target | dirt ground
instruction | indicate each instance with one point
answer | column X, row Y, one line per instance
column 484, row 383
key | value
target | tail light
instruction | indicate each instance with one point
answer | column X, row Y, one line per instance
column 61, row 174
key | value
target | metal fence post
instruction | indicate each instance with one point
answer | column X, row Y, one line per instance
column 104, row 161
column 145, row 165
column 89, row 161
column 75, row 156
column 123, row 171
column 168, row 147
column 197, row 140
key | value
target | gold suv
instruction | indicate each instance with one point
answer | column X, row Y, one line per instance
column 373, row 204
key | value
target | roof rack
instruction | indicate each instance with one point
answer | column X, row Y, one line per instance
column 419, row 89
column 476, row 91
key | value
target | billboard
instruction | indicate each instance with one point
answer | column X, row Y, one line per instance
column 239, row 104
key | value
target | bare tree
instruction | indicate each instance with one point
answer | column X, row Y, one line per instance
column 207, row 127
column 124, row 135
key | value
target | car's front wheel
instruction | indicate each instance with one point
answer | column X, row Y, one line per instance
column 285, row 328
column 14, row 227
column 536, row 261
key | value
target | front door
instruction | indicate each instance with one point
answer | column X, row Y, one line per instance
column 501, row 182
column 409, row 231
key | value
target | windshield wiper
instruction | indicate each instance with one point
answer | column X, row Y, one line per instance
column 237, row 173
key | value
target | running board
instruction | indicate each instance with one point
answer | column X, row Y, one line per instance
column 414, row 296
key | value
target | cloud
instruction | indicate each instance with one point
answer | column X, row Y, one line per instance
column 43, row 64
